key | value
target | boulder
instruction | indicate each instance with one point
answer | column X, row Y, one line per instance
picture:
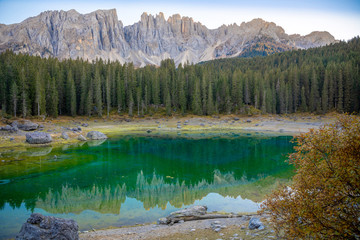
column 45, row 227
column 64, row 135
column 27, row 125
column 9, row 128
column 95, row 135
column 81, row 138
column 255, row 223
column 38, row 138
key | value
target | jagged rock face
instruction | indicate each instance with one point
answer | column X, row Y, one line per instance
column 101, row 35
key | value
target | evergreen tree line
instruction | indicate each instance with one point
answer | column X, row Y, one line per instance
column 316, row 80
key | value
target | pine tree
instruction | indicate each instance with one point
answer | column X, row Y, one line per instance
column 53, row 98
column 196, row 101
column 83, row 91
column 24, row 95
column 131, row 103
column 168, row 103
column 304, row 105
column 210, row 103
column 314, row 101
column 108, row 97
column 39, row 95
column 325, row 94
column 71, row 94
column 97, row 91
column 340, row 102
column 119, row 92
column 14, row 96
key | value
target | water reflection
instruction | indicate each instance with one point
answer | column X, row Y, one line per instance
column 153, row 192
column 138, row 179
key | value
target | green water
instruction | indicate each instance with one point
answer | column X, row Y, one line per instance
column 138, row 179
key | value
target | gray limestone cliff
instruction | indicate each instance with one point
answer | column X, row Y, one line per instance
column 69, row 34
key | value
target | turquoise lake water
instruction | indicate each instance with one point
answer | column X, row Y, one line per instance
column 137, row 179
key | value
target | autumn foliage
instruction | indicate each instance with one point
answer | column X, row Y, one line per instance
column 323, row 201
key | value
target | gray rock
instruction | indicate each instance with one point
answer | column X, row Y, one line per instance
column 9, row 129
column 76, row 129
column 64, row 135
column 41, row 125
column 248, row 121
column 38, row 138
column 236, row 119
column 101, row 35
column 255, row 223
column 27, row 126
column 85, row 124
column 95, row 135
column 12, row 139
column 38, row 226
column 81, row 138
column 148, row 131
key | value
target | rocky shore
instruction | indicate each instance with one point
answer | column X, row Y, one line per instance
column 68, row 130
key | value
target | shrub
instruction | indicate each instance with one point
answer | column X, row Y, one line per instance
column 323, row 201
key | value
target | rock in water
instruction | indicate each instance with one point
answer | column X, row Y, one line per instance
column 255, row 223
column 81, row 138
column 95, row 135
column 38, row 138
column 45, row 227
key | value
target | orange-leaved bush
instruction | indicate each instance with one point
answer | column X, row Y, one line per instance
column 323, row 201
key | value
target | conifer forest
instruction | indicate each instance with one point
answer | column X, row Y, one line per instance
column 316, row 80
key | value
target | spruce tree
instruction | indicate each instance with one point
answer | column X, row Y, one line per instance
column 97, row 92
column 14, row 96
column 196, row 101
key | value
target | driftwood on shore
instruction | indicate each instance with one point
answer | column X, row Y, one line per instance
column 192, row 213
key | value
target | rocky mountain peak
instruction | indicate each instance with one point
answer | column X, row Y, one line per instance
column 100, row 34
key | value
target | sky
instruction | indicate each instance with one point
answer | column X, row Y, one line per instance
column 341, row 18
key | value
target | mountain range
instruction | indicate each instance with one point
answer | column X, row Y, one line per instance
column 100, row 34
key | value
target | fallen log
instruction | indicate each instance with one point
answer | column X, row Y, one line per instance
column 191, row 214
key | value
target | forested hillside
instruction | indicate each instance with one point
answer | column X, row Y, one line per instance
column 317, row 80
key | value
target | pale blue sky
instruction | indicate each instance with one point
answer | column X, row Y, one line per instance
column 340, row 18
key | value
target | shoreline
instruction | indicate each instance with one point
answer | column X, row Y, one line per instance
column 232, row 228
column 289, row 125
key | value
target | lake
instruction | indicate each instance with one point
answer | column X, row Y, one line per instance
column 129, row 180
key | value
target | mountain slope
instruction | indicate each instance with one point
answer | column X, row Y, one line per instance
column 69, row 34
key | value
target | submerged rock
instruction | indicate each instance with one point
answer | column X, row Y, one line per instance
column 255, row 223
column 81, row 138
column 38, row 138
column 45, row 227
column 95, row 135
